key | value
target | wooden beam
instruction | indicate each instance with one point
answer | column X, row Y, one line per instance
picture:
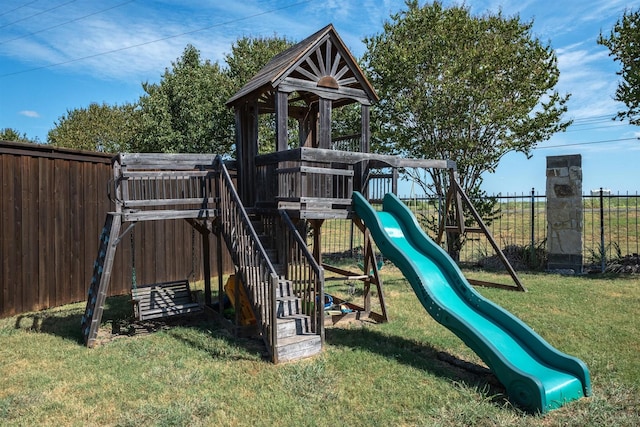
column 171, row 161
column 282, row 116
column 487, row 233
column 324, row 125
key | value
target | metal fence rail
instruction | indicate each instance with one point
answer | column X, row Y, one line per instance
column 611, row 228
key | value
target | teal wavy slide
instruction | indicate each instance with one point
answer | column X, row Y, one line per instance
column 537, row 377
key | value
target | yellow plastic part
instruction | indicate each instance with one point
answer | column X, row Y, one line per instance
column 246, row 314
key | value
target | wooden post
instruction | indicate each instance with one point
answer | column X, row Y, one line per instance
column 324, row 131
column 367, row 269
column 206, row 257
column 220, row 272
column 282, row 136
column 316, row 224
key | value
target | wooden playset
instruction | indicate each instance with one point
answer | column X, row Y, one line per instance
column 261, row 205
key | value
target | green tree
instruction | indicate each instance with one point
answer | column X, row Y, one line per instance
column 624, row 45
column 461, row 87
column 185, row 112
column 12, row 135
column 248, row 56
column 99, row 127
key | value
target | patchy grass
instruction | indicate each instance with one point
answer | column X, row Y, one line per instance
column 410, row 371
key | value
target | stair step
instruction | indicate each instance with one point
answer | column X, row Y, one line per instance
column 298, row 347
column 288, row 306
column 293, row 325
column 284, row 289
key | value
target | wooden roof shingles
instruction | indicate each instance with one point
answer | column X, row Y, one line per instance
column 320, row 64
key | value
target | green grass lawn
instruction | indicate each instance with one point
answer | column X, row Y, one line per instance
column 410, row 371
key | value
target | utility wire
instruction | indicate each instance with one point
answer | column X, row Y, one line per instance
column 37, row 14
column 593, row 128
column 586, row 143
column 17, row 8
column 66, row 22
column 221, row 24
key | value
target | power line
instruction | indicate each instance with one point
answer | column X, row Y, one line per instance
column 17, row 8
column 586, row 143
column 221, row 24
column 66, row 22
column 591, row 118
column 593, row 128
column 37, row 14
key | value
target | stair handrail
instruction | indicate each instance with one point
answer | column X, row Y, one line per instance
column 254, row 266
column 318, row 279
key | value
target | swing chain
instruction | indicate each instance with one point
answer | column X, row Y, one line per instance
column 192, row 274
column 134, row 281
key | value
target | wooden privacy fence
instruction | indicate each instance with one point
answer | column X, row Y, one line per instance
column 53, row 204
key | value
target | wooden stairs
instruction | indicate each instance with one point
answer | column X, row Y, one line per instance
column 295, row 340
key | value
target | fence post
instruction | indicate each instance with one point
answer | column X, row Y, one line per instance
column 602, row 248
column 533, row 227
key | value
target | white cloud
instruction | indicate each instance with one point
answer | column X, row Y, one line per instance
column 29, row 113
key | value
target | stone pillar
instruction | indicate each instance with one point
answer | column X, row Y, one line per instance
column 564, row 213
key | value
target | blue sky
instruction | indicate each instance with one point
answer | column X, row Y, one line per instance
column 58, row 55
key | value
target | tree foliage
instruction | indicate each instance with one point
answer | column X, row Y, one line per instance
column 13, row 135
column 248, row 56
column 624, row 45
column 461, row 87
column 185, row 112
column 99, row 127
column 464, row 88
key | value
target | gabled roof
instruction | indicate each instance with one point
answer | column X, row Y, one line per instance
column 320, row 64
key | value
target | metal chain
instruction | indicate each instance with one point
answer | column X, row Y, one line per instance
column 193, row 253
column 134, row 281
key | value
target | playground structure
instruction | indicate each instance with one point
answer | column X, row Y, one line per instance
column 537, row 377
column 261, row 205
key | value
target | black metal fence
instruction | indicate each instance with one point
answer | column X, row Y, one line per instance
column 611, row 229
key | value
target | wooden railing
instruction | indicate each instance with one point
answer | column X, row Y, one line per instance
column 305, row 274
column 350, row 143
column 163, row 186
column 316, row 179
column 254, row 268
column 287, row 180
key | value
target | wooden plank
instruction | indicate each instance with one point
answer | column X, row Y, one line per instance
column 46, row 151
column 161, row 242
column 75, row 208
column 10, row 261
column 167, row 202
column 46, row 180
column 90, row 238
column 172, row 161
column 349, row 157
column 171, row 311
column 466, row 229
column 30, row 246
column 317, row 170
column 4, row 280
column 165, row 299
column 324, row 125
column 18, row 244
column 314, row 202
column 183, row 174
column 156, row 215
column 291, row 84
column 282, row 136
column 62, row 232
column 345, row 274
